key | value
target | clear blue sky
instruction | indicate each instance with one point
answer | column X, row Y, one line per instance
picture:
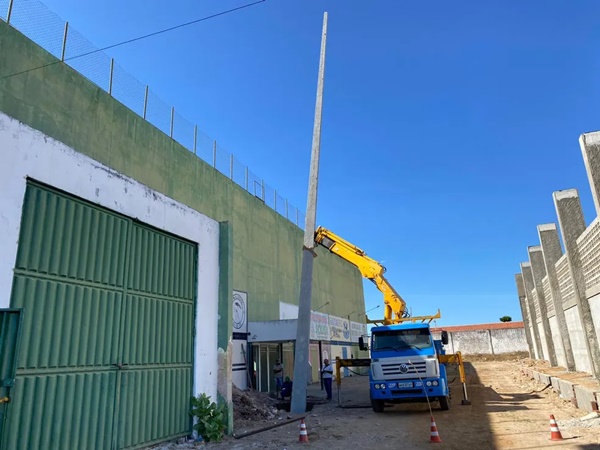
column 446, row 127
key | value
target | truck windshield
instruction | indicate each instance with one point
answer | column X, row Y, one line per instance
column 401, row 339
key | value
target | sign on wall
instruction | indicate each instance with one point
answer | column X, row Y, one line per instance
column 319, row 326
column 357, row 330
column 239, row 317
column 339, row 329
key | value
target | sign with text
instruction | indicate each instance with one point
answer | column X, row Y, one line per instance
column 357, row 330
column 319, row 326
column 339, row 329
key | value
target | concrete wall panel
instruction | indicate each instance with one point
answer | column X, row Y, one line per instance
column 509, row 340
column 595, row 308
column 558, row 344
column 545, row 350
column 582, row 360
column 472, row 342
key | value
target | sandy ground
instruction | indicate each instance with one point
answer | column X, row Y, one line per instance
column 508, row 411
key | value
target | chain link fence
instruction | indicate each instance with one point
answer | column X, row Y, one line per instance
column 48, row 30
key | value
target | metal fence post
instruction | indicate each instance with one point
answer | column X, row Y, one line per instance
column 110, row 80
column 64, row 46
column 297, row 217
column 286, row 209
column 262, row 185
column 247, row 178
column 172, row 120
column 215, row 153
column 231, row 166
column 145, row 102
column 195, row 138
column 9, row 13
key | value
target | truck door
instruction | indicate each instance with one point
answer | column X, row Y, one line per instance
column 10, row 325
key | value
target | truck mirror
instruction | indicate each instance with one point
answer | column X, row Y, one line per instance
column 361, row 343
column 444, row 337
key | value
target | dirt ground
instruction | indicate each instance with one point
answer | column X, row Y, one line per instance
column 508, row 411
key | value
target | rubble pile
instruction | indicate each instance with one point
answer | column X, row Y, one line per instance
column 252, row 406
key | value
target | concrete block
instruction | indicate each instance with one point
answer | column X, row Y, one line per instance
column 555, row 383
column 566, row 390
column 585, row 396
column 544, row 379
column 536, row 375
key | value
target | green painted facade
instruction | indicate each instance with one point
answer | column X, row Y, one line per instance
column 266, row 247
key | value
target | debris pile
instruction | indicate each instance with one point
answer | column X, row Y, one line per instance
column 252, row 406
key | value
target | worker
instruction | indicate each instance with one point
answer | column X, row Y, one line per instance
column 278, row 375
column 286, row 388
column 327, row 374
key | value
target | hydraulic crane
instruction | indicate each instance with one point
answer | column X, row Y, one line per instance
column 406, row 364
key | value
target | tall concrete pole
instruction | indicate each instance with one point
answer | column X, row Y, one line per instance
column 552, row 251
column 538, row 269
column 298, row 405
column 529, row 287
column 525, row 313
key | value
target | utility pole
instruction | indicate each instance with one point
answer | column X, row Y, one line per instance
column 298, row 405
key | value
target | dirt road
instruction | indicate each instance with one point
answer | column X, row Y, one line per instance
column 507, row 412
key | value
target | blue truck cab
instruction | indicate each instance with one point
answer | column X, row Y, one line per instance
column 405, row 367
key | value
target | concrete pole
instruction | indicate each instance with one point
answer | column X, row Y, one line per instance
column 572, row 224
column 538, row 268
column 528, row 281
column 298, row 404
column 525, row 313
column 590, row 148
column 552, row 252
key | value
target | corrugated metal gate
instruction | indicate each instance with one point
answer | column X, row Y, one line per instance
column 107, row 338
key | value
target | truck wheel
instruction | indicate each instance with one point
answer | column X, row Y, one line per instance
column 377, row 405
column 445, row 403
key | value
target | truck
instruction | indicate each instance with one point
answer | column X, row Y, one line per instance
column 406, row 363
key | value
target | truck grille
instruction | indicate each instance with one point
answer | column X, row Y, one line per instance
column 404, row 369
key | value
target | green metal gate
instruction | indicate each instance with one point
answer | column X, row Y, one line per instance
column 10, row 325
column 106, row 353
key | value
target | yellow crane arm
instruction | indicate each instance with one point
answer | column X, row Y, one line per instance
column 394, row 305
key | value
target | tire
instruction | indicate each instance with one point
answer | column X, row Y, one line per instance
column 377, row 405
column 445, row 403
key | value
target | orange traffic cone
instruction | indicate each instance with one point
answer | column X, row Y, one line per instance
column 303, row 433
column 554, row 431
column 435, row 436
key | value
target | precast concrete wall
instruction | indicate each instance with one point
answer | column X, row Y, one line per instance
column 580, row 354
column 485, row 339
column 595, row 308
column 558, row 344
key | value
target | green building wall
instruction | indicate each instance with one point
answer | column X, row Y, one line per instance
column 61, row 103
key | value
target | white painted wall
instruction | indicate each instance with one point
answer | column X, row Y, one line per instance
column 472, row 342
column 559, row 348
column 545, row 351
column 582, row 360
column 508, row 340
column 26, row 152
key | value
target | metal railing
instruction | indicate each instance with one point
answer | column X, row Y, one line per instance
column 49, row 31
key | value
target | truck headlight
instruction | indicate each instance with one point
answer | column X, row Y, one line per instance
column 435, row 383
column 376, row 386
column 428, row 383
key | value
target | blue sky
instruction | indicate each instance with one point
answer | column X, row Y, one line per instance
column 446, row 126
